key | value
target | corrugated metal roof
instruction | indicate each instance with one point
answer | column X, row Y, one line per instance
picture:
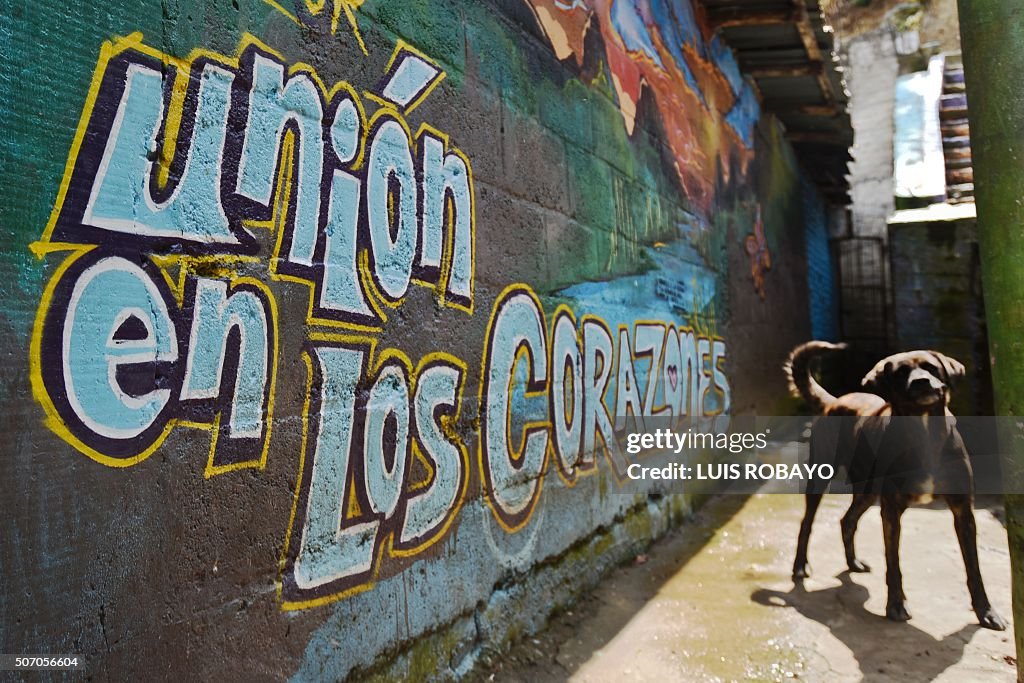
column 786, row 48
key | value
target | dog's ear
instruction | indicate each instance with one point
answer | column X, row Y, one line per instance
column 951, row 367
column 879, row 380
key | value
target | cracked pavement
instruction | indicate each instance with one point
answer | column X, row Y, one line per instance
column 713, row 601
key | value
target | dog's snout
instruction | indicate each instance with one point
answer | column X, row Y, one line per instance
column 922, row 383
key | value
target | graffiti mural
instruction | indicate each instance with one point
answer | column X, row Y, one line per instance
column 756, row 245
column 329, row 318
column 150, row 323
column 358, row 205
column 707, row 110
column 313, row 13
column 162, row 316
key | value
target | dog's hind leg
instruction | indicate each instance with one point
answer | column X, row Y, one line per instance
column 966, row 533
column 892, row 510
column 801, row 569
column 861, row 502
column 823, row 437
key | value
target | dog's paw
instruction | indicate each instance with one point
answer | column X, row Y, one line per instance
column 990, row 619
column 857, row 566
column 897, row 612
column 801, row 571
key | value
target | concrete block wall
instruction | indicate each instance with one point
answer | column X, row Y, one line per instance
column 320, row 318
column 938, row 302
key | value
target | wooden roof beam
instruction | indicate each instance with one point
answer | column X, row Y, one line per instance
column 812, row 68
column 732, row 18
column 821, row 110
column 810, row 42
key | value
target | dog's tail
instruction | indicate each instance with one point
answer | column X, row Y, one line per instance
column 798, row 372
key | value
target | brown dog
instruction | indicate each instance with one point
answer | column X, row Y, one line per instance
column 898, row 444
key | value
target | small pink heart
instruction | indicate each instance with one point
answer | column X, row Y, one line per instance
column 673, row 376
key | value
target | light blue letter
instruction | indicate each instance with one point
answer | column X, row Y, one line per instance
column 107, row 295
column 390, row 156
column 215, row 314
column 121, row 200
column 444, row 174
column 327, row 552
column 272, row 104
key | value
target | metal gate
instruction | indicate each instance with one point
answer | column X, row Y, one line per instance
column 863, row 295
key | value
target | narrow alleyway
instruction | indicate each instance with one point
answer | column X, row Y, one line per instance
column 716, row 603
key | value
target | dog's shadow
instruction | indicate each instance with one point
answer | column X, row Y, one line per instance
column 884, row 650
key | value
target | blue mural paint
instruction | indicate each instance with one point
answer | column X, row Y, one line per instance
column 630, row 25
column 387, row 405
column 447, row 184
column 746, row 111
column 821, row 268
column 391, row 205
column 328, row 552
column 216, row 315
column 274, row 104
column 409, row 79
column 437, row 388
column 678, row 25
column 346, row 129
column 744, row 115
column 122, row 197
column 342, row 290
column 517, row 337
column 103, row 334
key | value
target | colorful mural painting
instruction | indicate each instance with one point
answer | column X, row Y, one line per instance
column 760, row 257
column 350, row 303
column 707, row 110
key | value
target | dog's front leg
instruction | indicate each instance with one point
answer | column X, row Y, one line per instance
column 861, row 502
column 967, row 534
column 892, row 510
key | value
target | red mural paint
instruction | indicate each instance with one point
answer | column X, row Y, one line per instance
column 756, row 245
column 693, row 95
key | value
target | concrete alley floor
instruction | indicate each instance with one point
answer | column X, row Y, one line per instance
column 714, row 602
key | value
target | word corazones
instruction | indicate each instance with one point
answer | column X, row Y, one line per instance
column 553, row 385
